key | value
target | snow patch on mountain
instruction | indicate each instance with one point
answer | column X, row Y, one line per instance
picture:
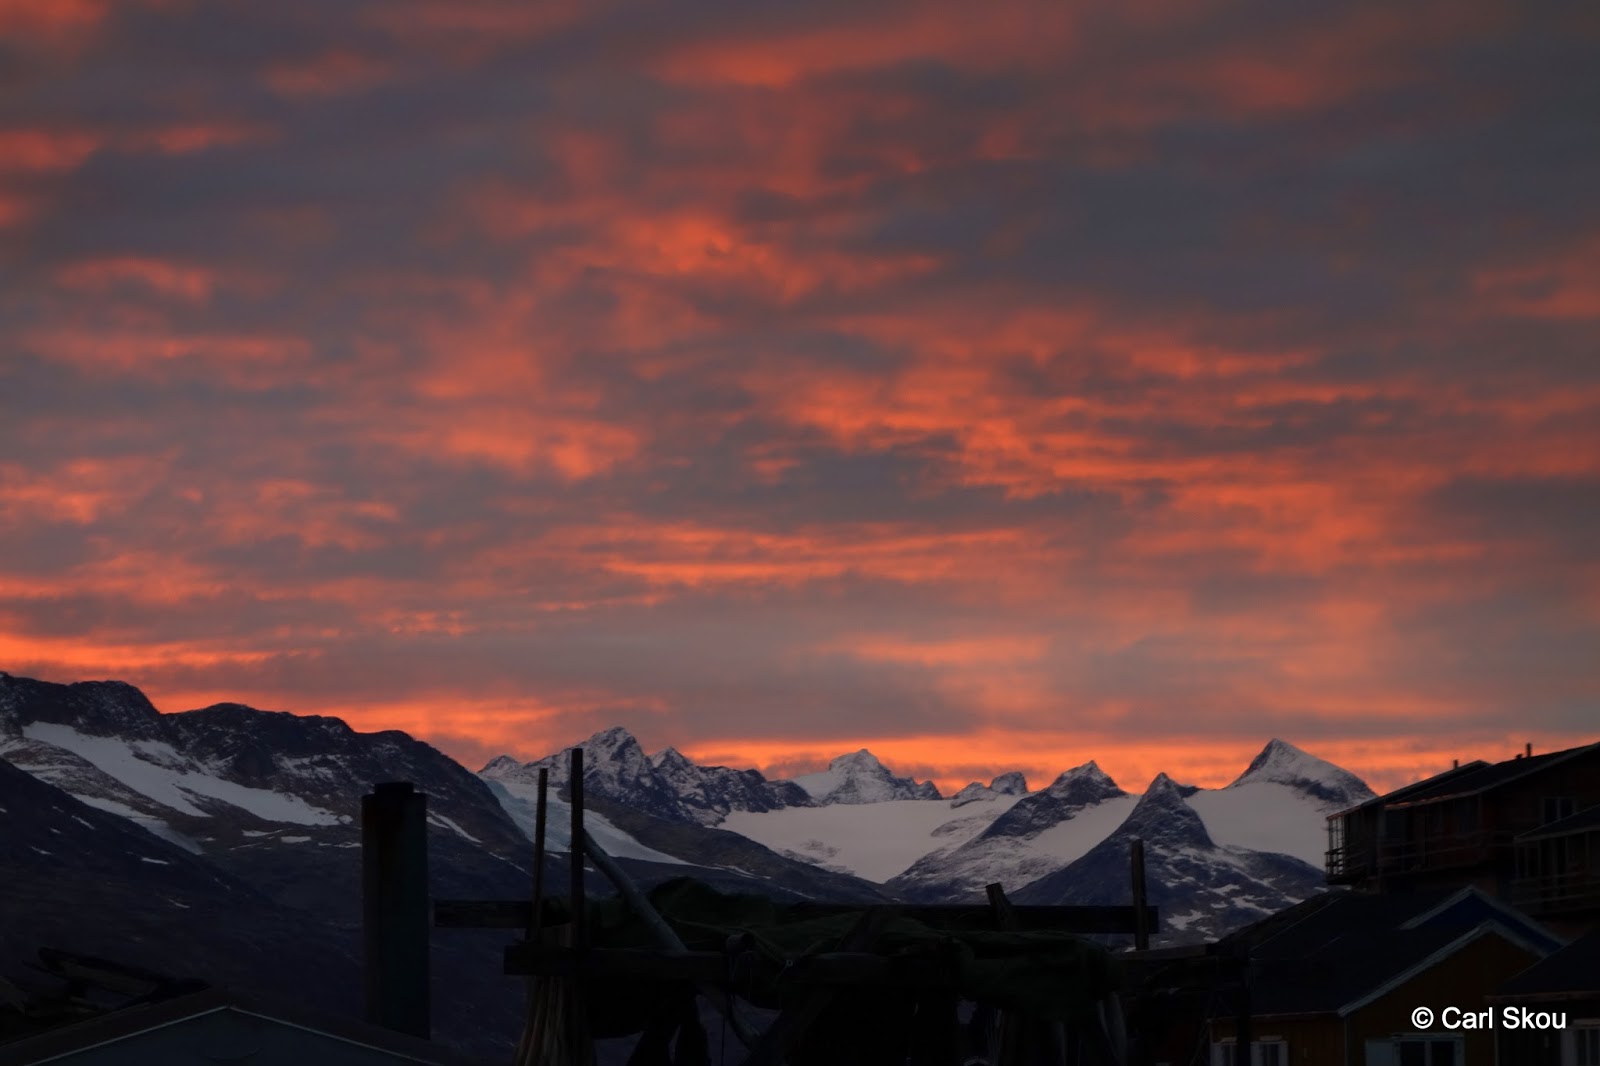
column 154, row 769
column 520, row 800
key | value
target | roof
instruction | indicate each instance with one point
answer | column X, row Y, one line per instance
column 1404, row 792
column 130, row 1022
column 1337, row 951
column 1475, row 778
column 1584, row 821
column 1572, row 972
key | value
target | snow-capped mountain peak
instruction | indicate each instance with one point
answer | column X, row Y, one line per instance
column 1012, row 783
column 1200, row 885
column 1083, row 784
column 667, row 784
column 1167, row 796
column 614, row 766
column 859, row 777
column 1281, row 763
column 1072, row 791
column 1007, row 784
column 670, row 757
column 500, row 764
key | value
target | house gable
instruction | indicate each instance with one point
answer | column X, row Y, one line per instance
column 209, row 1027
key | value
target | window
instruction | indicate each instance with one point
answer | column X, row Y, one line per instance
column 1555, row 808
column 1428, row 1051
column 1586, row 1044
column 1268, row 1052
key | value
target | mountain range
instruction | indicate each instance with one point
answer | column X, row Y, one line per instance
column 193, row 840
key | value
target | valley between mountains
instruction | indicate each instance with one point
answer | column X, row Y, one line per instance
column 224, row 843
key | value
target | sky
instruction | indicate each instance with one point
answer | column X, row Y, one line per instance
column 993, row 385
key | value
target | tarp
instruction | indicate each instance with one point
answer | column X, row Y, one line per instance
column 1049, row 975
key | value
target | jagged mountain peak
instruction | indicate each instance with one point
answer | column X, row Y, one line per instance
column 1012, row 783
column 99, row 708
column 1163, row 815
column 973, row 792
column 1162, row 788
column 610, row 740
column 667, row 784
column 499, row 766
column 1087, row 776
column 860, row 759
column 673, row 759
column 1282, row 763
column 860, row 777
column 1073, row 791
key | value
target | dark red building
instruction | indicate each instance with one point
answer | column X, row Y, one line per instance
column 1526, row 830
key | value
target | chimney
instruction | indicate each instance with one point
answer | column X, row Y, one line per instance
column 394, row 868
column 1455, row 764
column 1528, row 749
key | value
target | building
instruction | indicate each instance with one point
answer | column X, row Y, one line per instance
column 1526, row 830
column 204, row 1028
column 1335, row 980
column 1565, row 983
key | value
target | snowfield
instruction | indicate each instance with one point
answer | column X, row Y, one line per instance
column 1264, row 816
column 874, row 841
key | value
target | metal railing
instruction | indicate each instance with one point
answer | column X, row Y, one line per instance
column 1557, row 892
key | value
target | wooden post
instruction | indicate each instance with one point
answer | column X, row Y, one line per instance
column 1012, row 1035
column 577, row 1004
column 536, row 919
column 1242, row 1036
column 532, row 1032
column 1141, row 928
column 395, row 919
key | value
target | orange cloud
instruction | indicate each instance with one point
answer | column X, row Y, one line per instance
column 46, row 150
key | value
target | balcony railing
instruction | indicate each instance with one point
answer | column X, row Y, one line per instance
column 1552, row 893
column 1363, row 858
column 1350, row 862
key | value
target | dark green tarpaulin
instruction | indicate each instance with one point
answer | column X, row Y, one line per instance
column 1049, row 975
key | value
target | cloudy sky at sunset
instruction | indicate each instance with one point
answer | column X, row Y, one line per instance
column 992, row 384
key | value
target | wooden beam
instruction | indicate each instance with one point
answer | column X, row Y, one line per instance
column 515, row 914
column 1058, row 918
column 710, row 967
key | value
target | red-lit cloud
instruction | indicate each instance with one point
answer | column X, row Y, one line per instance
column 995, row 388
